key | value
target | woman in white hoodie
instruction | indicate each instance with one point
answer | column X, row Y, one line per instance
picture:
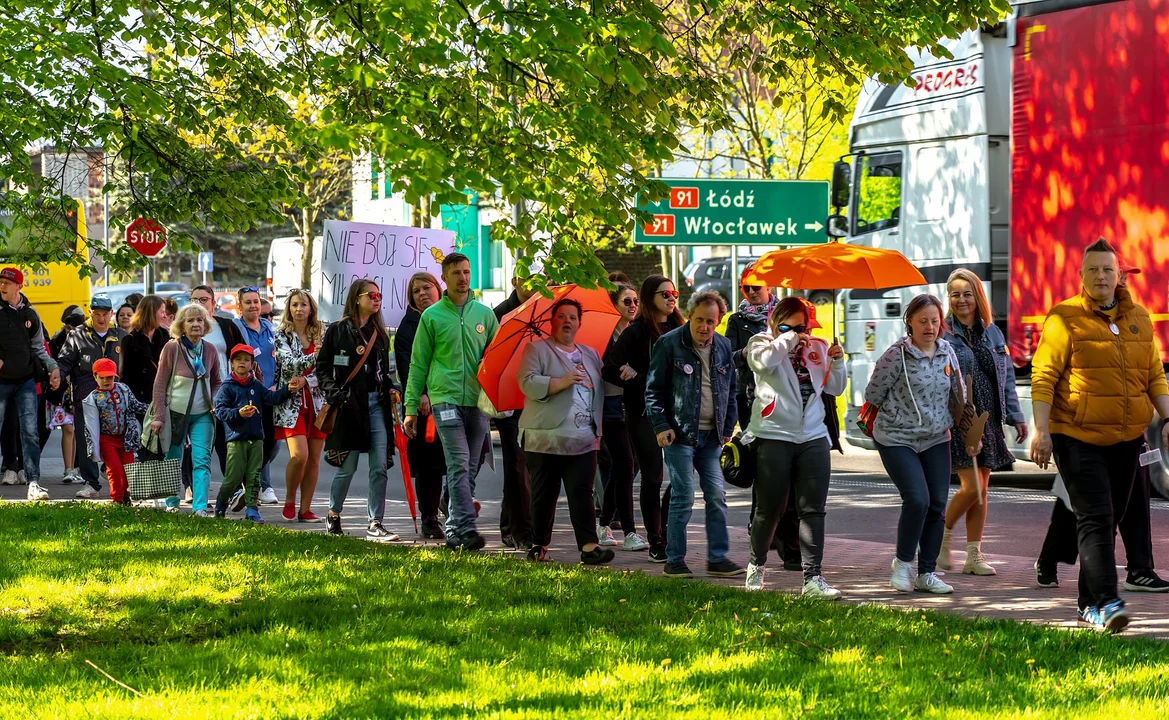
column 791, row 441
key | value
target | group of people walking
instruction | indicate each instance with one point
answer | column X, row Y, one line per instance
column 666, row 394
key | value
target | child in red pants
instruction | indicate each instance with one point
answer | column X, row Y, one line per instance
column 111, row 416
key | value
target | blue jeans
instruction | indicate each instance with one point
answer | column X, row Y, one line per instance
column 25, row 396
column 378, row 453
column 462, row 430
column 201, row 431
column 683, row 460
column 923, row 479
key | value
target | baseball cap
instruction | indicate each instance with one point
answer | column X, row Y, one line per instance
column 12, row 274
column 105, row 367
column 101, row 302
column 242, row 348
column 1126, row 268
column 813, row 324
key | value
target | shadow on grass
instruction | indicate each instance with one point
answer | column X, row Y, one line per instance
column 174, row 601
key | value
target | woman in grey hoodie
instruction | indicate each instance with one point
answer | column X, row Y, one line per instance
column 914, row 384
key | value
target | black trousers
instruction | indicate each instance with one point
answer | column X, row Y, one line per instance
column 786, row 537
column 619, row 489
column 577, row 473
column 515, row 517
column 428, row 466
column 655, row 505
column 1099, row 481
column 1061, row 545
column 785, row 468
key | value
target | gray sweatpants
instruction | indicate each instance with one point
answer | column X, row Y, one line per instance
column 779, row 464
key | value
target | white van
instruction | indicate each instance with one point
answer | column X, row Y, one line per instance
column 284, row 267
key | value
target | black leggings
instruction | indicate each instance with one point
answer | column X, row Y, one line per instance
column 619, row 490
column 654, row 504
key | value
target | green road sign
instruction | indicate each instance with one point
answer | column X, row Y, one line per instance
column 737, row 212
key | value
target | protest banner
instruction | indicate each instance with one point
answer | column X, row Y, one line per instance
column 386, row 254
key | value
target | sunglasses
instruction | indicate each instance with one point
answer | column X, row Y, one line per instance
column 249, row 289
column 798, row 329
column 752, row 288
column 266, row 316
column 375, row 296
column 668, row 294
column 630, row 302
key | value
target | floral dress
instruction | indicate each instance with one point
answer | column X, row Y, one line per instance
column 977, row 362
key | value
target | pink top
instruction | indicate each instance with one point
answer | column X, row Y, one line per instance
column 169, row 359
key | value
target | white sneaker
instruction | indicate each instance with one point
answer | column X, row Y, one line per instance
column 946, row 562
column 634, row 543
column 902, row 576
column 268, row 497
column 9, row 478
column 205, row 512
column 20, row 477
column 36, row 492
column 87, row 493
column 976, row 563
column 755, row 576
column 605, row 536
column 818, row 587
column 931, row 583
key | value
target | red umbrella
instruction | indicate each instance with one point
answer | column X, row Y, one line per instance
column 400, row 441
column 533, row 321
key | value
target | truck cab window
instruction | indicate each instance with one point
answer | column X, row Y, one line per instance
column 878, row 205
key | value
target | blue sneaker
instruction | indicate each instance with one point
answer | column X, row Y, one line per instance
column 1090, row 617
column 1114, row 617
column 253, row 515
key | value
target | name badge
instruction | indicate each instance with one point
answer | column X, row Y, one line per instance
column 341, row 360
column 1150, row 457
column 446, row 415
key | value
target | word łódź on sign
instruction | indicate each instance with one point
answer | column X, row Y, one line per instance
column 386, row 254
column 736, row 212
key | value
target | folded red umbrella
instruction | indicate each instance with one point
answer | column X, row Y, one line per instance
column 400, row 441
column 533, row 321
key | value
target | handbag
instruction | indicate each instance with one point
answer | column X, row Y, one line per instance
column 327, row 417
column 154, row 479
column 737, row 461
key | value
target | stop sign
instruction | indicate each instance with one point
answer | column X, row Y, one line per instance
column 146, row 236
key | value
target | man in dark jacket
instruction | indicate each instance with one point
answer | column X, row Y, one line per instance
column 23, row 358
column 85, row 346
column 690, row 401
column 515, row 514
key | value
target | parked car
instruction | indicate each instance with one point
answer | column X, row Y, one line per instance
column 714, row 274
column 118, row 293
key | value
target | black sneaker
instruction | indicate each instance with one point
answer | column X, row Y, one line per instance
column 537, row 553
column 236, row 503
column 677, row 570
column 376, row 532
column 471, row 541
column 432, row 529
column 724, row 568
column 597, row 556
column 1145, row 581
column 333, row 525
column 657, row 554
column 507, row 540
column 1048, row 577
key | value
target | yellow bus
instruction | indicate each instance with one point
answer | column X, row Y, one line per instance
column 52, row 286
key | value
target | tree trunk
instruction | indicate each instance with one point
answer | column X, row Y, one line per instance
column 308, row 218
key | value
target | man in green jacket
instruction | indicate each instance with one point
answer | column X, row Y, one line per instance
column 452, row 336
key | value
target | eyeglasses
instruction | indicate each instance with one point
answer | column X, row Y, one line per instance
column 375, row 296
column 630, row 302
column 249, row 289
column 204, row 299
column 667, row 294
column 798, row 329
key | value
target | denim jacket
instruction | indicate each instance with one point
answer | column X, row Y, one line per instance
column 672, row 395
column 993, row 338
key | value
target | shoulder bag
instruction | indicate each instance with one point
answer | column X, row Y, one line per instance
column 327, row 417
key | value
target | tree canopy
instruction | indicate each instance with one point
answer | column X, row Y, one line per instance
column 561, row 105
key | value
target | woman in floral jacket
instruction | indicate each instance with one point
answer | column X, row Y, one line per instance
column 297, row 339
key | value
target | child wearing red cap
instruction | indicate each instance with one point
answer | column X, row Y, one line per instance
column 238, row 405
column 111, row 417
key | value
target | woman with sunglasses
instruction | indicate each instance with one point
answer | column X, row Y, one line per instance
column 791, row 444
column 617, row 469
column 626, row 365
column 424, row 450
column 363, row 425
column 297, row 339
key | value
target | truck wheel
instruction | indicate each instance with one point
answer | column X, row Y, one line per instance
column 1159, row 472
column 820, row 297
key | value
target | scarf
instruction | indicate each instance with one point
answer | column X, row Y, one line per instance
column 757, row 313
column 195, row 354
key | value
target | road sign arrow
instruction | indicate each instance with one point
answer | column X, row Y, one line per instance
column 813, row 226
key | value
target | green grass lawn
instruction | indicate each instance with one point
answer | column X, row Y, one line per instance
column 218, row 619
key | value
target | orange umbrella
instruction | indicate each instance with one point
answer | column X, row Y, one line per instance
column 533, row 321
column 834, row 266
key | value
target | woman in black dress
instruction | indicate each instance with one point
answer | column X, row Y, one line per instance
column 982, row 356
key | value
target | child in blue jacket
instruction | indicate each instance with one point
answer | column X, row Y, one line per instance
column 238, row 405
